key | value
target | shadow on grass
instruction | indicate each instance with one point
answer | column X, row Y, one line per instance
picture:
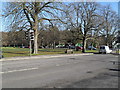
column 15, row 53
column 48, row 51
column 93, row 52
column 52, row 50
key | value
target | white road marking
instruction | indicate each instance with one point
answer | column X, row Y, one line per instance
column 19, row 70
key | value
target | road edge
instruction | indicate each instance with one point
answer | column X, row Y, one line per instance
column 42, row 56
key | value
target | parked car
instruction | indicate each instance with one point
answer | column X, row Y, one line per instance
column 104, row 49
column 26, row 46
column 71, row 47
column 22, row 46
column 60, row 46
column 91, row 48
column 79, row 48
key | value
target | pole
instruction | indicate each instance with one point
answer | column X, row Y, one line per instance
column 30, row 47
column 31, row 37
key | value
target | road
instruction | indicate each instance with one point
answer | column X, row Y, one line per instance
column 75, row 71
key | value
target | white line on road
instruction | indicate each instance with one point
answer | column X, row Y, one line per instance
column 19, row 70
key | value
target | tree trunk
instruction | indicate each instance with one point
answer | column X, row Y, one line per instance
column 35, row 42
column 54, row 45
column 84, row 45
column 32, row 46
column 36, row 35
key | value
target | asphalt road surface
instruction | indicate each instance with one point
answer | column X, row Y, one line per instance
column 75, row 71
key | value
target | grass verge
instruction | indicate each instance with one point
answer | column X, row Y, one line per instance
column 15, row 52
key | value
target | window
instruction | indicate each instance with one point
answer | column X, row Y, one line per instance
column 102, row 47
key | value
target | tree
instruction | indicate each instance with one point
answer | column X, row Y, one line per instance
column 4, row 38
column 83, row 17
column 65, row 37
column 54, row 35
column 110, row 27
column 49, row 36
column 14, row 38
column 29, row 15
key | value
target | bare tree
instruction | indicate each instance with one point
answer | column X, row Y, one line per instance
column 50, row 36
column 110, row 27
column 29, row 15
column 82, row 17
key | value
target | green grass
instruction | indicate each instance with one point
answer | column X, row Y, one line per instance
column 91, row 51
column 15, row 52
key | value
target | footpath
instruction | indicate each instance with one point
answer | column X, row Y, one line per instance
column 42, row 56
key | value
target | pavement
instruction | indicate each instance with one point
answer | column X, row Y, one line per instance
column 61, row 71
column 42, row 56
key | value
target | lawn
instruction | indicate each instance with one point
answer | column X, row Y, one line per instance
column 15, row 52
column 91, row 51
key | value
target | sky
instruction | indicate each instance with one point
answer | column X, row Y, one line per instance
column 113, row 3
column 0, row 16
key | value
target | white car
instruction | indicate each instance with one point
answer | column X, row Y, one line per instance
column 104, row 49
